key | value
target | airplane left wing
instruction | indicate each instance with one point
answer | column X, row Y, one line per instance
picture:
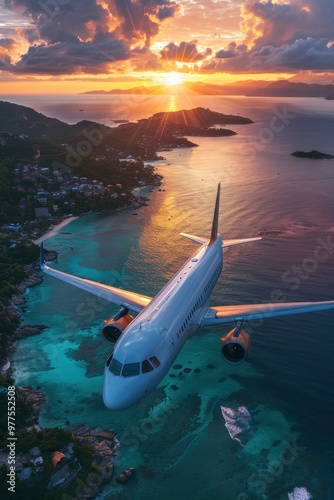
column 227, row 314
column 134, row 301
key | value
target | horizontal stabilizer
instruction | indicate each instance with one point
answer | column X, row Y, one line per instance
column 226, row 243
column 197, row 239
column 230, row 243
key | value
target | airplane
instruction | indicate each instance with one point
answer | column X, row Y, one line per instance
column 145, row 345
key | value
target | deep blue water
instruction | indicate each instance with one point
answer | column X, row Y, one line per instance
column 274, row 432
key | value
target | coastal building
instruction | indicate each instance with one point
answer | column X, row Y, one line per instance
column 42, row 212
column 63, row 475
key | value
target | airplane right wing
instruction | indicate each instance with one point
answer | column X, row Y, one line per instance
column 227, row 314
column 134, row 301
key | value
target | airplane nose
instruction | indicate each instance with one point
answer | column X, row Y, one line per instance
column 115, row 395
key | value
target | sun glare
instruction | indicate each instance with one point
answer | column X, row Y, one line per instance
column 172, row 78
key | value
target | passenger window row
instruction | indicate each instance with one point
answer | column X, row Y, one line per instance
column 198, row 302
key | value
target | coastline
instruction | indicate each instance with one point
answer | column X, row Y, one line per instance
column 26, row 330
column 55, row 230
column 138, row 192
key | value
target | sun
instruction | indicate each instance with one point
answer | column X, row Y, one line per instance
column 172, row 78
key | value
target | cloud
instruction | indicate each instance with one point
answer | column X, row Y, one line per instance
column 71, row 37
column 280, row 36
column 78, row 36
column 302, row 54
column 184, row 52
column 8, row 44
column 53, row 19
column 69, row 57
column 308, row 54
column 138, row 16
column 270, row 23
column 227, row 53
column 142, row 59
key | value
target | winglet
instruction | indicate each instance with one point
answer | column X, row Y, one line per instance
column 41, row 256
column 214, row 229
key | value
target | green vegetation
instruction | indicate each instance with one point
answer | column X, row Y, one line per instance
column 20, row 149
column 9, row 198
column 12, row 272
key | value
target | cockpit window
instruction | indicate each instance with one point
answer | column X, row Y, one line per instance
column 155, row 362
column 131, row 369
column 115, row 367
column 109, row 358
column 146, row 366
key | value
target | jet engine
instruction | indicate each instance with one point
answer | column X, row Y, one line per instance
column 235, row 345
column 115, row 326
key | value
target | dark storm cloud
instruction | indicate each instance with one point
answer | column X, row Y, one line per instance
column 303, row 54
column 7, row 47
column 137, row 16
column 51, row 17
column 268, row 23
column 136, row 21
column 71, row 36
column 289, row 36
column 69, row 58
column 227, row 53
column 5, row 60
column 167, row 11
column 308, row 54
column 8, row 44
column 184, row 52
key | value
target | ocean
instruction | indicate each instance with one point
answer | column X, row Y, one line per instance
column 260, row 430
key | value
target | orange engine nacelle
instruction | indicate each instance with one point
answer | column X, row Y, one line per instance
column 112, row 330
column 235, row 346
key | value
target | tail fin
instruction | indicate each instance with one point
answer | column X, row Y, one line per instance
column 214, row 229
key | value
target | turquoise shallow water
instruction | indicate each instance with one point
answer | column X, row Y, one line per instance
column 255, row 431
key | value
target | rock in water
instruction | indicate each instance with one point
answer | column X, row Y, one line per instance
column 125, row 475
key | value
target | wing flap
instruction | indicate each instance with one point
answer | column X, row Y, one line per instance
column 117, row 296
column 227, row 314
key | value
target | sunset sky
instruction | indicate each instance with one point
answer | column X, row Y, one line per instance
column 78, row 45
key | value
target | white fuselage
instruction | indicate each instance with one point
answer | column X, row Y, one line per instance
column 149, row 345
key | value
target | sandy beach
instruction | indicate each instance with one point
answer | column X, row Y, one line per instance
column 55, row 230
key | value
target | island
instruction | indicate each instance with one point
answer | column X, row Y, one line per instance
column 313, row 155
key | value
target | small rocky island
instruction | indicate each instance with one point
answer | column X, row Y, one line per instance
column 169, row 130
column 314, row 155
column 192, row 122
